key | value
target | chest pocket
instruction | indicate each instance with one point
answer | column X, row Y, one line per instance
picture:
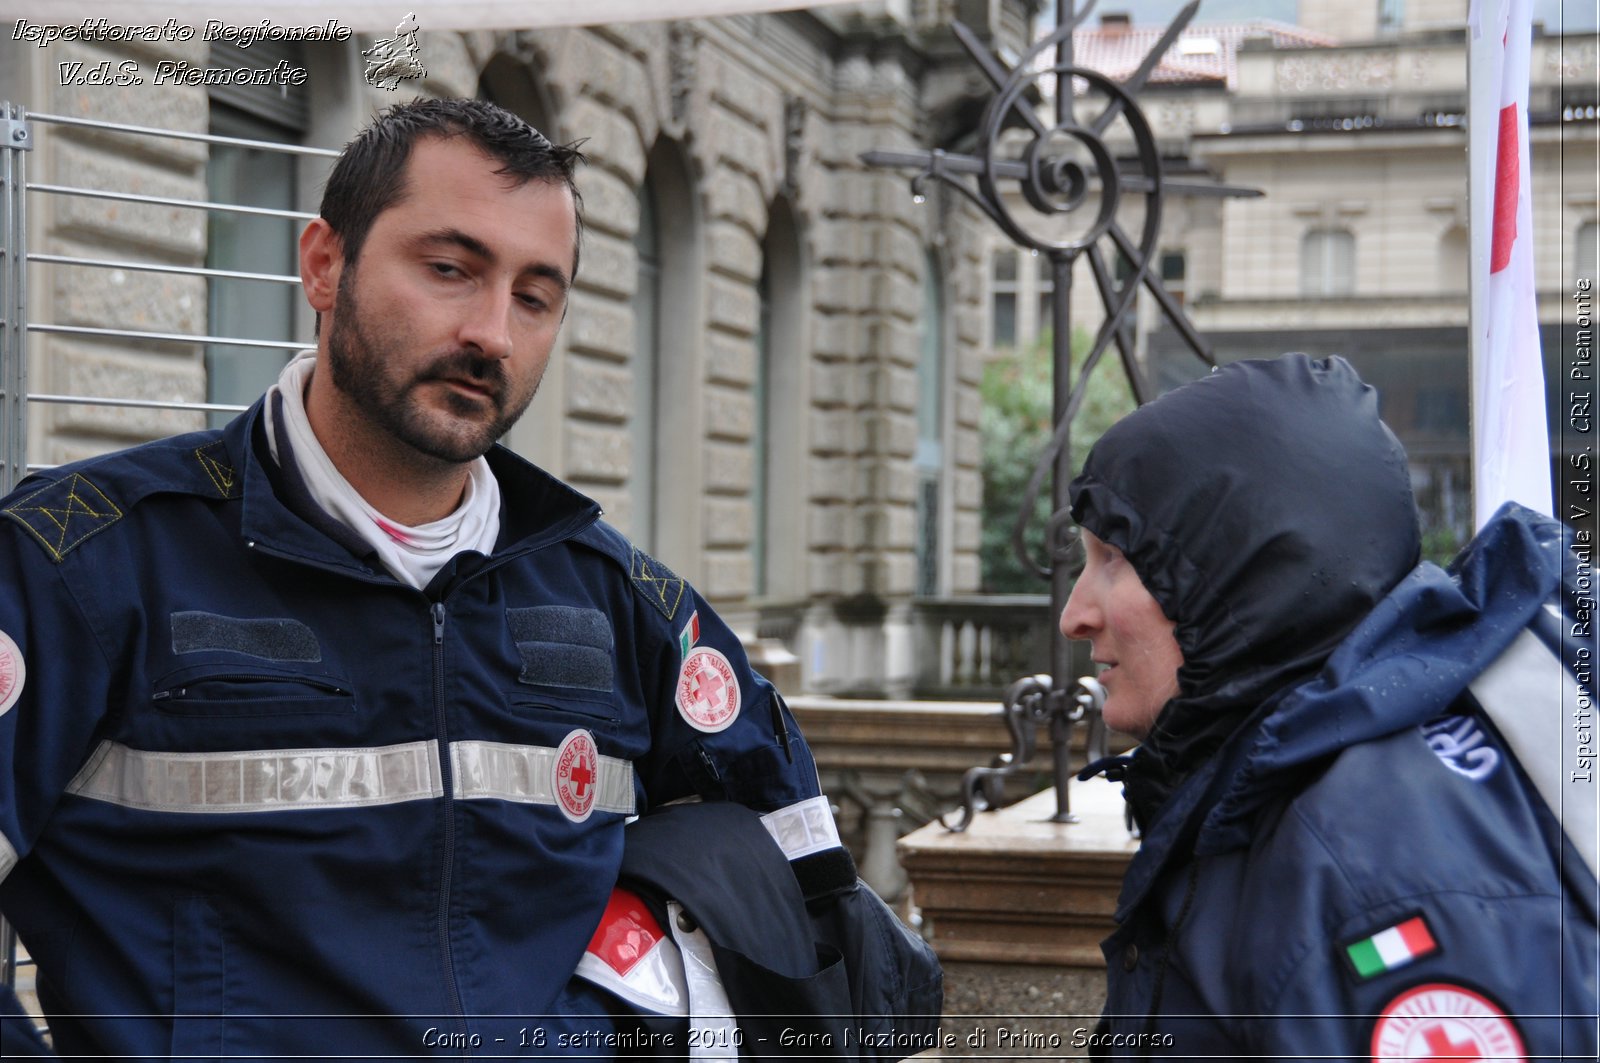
column 229, row 690
column 248, row 667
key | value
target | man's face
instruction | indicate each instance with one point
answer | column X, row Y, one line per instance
column 1127, row 632
column 441, row 330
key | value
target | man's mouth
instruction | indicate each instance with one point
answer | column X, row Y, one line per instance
column 478, row 389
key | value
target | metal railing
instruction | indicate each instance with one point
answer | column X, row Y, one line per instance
column 21, row 131
column 19, row 138
column 963, row 647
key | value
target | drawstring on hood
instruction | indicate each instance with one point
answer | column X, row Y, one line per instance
column 1267, row 509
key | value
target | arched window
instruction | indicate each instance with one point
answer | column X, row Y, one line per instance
column 930, row 454
column 643, row 481
column 512, row 84
column 780, row 389
column 1328, row 262
column 252, row 243
column 666, row 430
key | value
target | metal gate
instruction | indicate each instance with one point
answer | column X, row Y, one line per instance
column 22, row 132
column 20, row 249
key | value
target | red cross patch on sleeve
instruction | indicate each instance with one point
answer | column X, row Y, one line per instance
column 1443, row 1021
column 708, row 691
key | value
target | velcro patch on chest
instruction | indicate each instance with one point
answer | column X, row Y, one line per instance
column 270, row 639
column 660, row 587
column 62, row 514
column 563, row 646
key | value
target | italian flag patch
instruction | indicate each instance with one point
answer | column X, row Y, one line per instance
column 690, row 633
column 1392, row 948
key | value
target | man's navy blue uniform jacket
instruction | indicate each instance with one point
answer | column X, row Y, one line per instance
column 259, row 797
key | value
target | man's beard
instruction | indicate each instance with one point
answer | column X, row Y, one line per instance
column 360, row 369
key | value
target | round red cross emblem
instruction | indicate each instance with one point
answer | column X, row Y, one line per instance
column 1442, row 1021
column 577, row 775
column 708, row 691
column 12, row 673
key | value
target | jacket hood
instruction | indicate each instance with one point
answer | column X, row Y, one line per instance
column 1402, row 666
column 1267, row 509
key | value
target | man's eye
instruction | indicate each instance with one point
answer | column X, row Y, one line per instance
column 444, row 269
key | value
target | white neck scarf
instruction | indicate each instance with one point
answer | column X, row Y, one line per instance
column 412, row 554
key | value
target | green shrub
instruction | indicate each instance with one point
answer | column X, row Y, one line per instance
column 1016, row 427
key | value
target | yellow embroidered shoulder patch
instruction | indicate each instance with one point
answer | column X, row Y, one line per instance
column 655, row 582
column 64, row 513
column 214, row 460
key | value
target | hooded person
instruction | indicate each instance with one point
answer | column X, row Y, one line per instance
column 1342, row 853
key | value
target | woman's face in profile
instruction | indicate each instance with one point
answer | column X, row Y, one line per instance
column 1127, row 633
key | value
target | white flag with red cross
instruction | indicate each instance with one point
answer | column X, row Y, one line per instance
column 1510, row 436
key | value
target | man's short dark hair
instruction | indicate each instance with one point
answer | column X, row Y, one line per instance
column 369, row 177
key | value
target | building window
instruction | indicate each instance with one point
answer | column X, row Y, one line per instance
column 1174, row 274
column 664, row 473
column 251, row 243
column 1328, row 262
column 1003, row 289
column 761, row 444
column 511, row 83
column 1441, row 410
column 1391, row 16
column 1044, row 295
column 780, row 385
column 646, row 355
column 930, row 431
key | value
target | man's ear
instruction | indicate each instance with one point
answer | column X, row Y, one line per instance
column 321, row 262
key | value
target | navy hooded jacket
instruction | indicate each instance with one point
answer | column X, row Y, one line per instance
column 1342, row 857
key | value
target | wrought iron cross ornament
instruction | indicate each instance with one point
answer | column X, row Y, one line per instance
column 1065, row 168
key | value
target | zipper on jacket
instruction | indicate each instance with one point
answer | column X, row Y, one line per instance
column 447, row 783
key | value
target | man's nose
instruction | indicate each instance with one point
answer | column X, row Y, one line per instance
column 487, row 325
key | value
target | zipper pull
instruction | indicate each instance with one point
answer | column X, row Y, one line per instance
column 438, row 623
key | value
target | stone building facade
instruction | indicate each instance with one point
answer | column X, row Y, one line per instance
column 1353, row 124
column 768, row 376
